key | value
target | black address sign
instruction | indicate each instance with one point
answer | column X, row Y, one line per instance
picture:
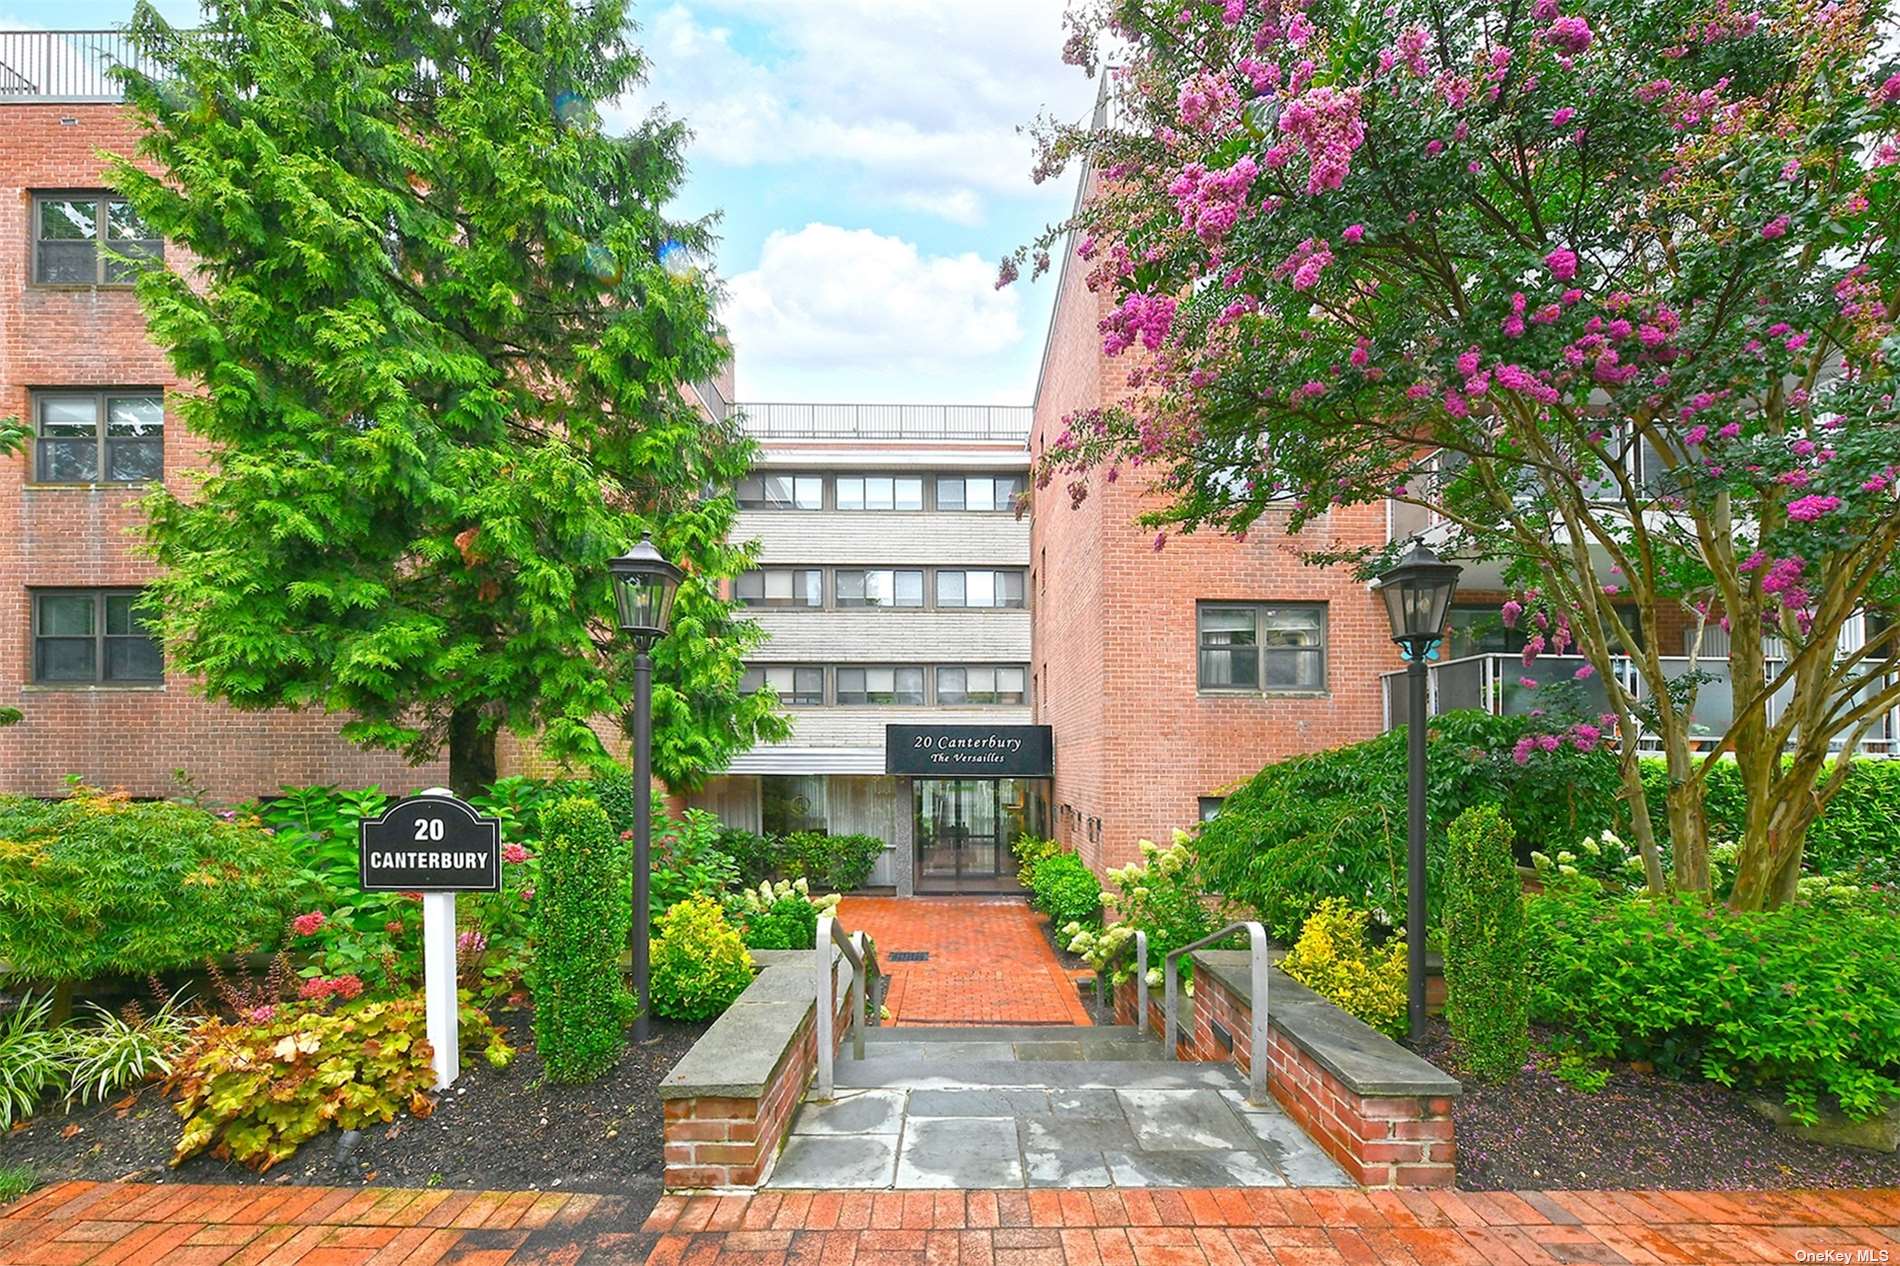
column 430, row 844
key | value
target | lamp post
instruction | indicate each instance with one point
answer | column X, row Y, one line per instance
column 644, row 585
column 1417, row 593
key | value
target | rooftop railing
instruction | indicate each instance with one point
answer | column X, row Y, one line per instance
column 1504, row 686
column 889, row 421
column 66, row 66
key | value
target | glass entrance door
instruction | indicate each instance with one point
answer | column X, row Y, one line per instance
column 960, row 844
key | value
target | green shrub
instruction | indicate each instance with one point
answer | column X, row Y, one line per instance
column 1164, row 895
column 120, row 1051
column 1335, row 959
column 255, row 1091
column 1487, row 1001
column 1805, row 998
column 1067, row 890
column 15, row 1180
column 32, row 1060
column 756, row 856
column 838, row 862
column 1333, row 824
column 779, row 915
column 97, row 883
column 700, row 964
column 687, row 861
column 1858, row 832
column 581, row 919
column 1031, row 851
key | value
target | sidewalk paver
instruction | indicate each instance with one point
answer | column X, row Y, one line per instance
column 986, row 962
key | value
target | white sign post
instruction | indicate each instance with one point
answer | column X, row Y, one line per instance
column 438, row 845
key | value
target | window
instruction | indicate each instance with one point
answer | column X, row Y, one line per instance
column 959, row 685
column 797, row 685
column 93, row 637
column 793, row 802
column 880, row 492
column 68, row 229
column 979, row 589
column 978, row 492
column 881, row 685
column 880, row 588
column 1210, row 805
column 1262, row 647
column 782, row 492
column 73, row 447
column 781, row 587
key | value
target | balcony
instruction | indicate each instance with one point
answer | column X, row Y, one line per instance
column 1495, row 684
column 66, row 66
column 999, row 422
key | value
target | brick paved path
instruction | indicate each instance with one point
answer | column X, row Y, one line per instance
column 989, row 962
column 112, row 1224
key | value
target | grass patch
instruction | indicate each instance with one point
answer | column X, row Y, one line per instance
column 15, row 1181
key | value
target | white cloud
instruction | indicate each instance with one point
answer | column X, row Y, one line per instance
column 924, row 96
column 861, row 307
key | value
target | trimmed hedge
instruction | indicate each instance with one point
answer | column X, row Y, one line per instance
column 1333, row 823
column 1065, row 889
column 1487, row 999
column 581, row 919
column 1861, row 824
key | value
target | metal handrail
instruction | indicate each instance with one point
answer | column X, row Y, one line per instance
column 830, row 934
column 1257, row 1034
column 1141, row 981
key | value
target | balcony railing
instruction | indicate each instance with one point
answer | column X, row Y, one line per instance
column 889, row 421
column 66, row 66
column 1496, row 684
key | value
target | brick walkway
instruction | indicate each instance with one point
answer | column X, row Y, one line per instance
column 112, row 1224
column 1268, row 1227
column 989, row 962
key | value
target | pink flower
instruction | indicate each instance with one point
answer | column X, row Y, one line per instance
column 308, row 924
column 1509, row 613
column 1572, row 35
column 1585, row 737
column 514, row 853
column 1521, row 753
column 471, row 942
column 1562, row 264
column 1563, row 115
column 393, row 927
column 261, row 1015
column 527, row 890
column 1583, row 671
column 1610, row 590
column 1548, row 742
column 1354, row 234
column 1529, row 683
column 1811, row 507
column 1776, row 227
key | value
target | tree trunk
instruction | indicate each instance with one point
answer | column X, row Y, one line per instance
column 1641, row 825
column 471, row 754
column 1688, row 835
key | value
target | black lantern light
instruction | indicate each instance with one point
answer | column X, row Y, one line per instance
column 644, row 585
column 1417, row 592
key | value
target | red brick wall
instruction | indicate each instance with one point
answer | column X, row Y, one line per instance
column 53, row 536
column 1115, row 648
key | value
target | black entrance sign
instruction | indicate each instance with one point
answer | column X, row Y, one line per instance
column 430, row 844
column 968, row 751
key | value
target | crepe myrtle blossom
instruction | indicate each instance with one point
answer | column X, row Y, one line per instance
column 309, row 924
column 1276, row 288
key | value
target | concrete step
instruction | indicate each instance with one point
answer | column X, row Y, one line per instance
column 913, row 1071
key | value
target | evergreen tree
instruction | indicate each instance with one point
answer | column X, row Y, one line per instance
column 442, row 327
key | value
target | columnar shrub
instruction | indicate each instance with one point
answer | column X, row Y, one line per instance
column 581, row 917
column 1487, row 987
column 700, row 965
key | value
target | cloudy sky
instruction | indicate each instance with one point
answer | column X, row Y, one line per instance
column 864, row 157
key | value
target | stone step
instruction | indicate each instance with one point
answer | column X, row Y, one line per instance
column 912, row 1071
column 998, row 1032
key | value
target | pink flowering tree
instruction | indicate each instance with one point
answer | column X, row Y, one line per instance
column 1602, row 289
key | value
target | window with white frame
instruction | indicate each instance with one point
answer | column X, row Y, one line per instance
column 881, row 685
column 782, row 492
column 979, row 588
column 797, row 685
column 1262, row 646
column 880, row 492
column 879, row 587
column 978, row 492
column 981, row 683
column 781, row 587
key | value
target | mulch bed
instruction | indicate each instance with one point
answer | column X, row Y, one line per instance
column 495, row 1129
column 1641, row 1130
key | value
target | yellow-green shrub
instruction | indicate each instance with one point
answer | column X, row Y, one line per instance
column 700, row 963
column 1334, row 959
column 255, row 1092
